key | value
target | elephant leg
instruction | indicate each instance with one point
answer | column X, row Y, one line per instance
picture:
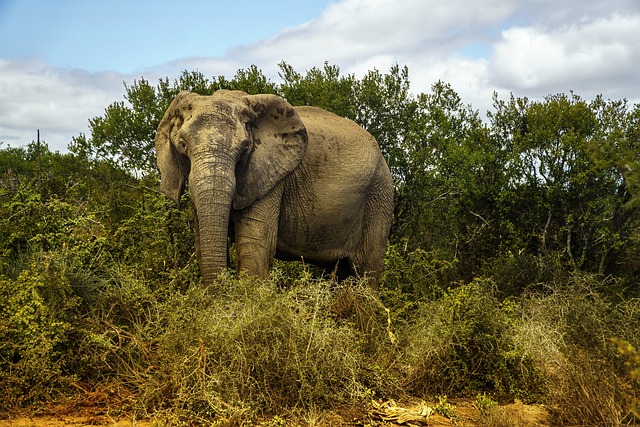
column 256, row 233
column 369, row 258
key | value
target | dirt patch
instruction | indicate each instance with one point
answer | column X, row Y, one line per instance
column 106, row 405
column 73, row 420
column 388, row 414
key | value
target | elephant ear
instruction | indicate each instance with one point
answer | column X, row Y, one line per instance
column 279, row 143
column 173, row 166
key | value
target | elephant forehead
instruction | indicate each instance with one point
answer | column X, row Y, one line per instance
column 212, row 121
column 213, row 104
column 209, row 129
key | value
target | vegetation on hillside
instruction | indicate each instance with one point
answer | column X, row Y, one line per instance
column 512, row 270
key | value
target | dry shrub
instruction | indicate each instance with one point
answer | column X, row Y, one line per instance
column 463, row 343
column 632, row 362
column 244, row 347
column 567, row 330
column 357, row 303
column 588, row 392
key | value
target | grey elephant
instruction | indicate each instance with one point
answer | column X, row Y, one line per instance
column 290, row 183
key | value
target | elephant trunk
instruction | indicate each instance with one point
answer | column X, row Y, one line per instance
column 212, row 185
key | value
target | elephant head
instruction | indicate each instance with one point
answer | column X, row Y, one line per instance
column 233, row 148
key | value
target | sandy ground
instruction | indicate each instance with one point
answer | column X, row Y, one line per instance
column 382, row 414
column 71, row 421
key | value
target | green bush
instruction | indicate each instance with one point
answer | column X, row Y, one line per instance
column 39, row 335
column 482, row 294
column 411, row 277
column 418, row 274
column 158, row 240
column 463, row 344
column 517, row 273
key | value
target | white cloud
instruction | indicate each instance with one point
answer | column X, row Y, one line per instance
column 589, row 55
column 353, row 31
column 59, row 102
column 562, row 46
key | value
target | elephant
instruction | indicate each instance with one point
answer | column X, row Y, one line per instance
column 291, row 183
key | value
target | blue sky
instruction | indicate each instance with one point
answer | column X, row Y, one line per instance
column 63, row 62
column 132, row 35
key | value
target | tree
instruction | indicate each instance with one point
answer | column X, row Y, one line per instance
column 567, row 200
column 325, row 88
column 546, row 178
column 250, row 80
column 385, row 107
column 450, row 177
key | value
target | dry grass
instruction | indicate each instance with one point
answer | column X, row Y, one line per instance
column 244, row 348
column 588, row 391
column 568, row 330
column 464, row 343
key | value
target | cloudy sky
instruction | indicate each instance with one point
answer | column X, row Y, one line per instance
column 64, row 61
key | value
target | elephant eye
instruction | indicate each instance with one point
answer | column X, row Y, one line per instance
column 182, row 146
column 244, row 151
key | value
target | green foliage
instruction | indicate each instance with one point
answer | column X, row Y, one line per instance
column 125, row 134
column 451, row 176
column 30, row 226
column 484, row 403
column 38, row 334
column 29, row 223
column 249, row 80
column 565, row 189
column 385, row 107
column 324, row 88
column 445, row 408
column 409, row 277
column 550, row 179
